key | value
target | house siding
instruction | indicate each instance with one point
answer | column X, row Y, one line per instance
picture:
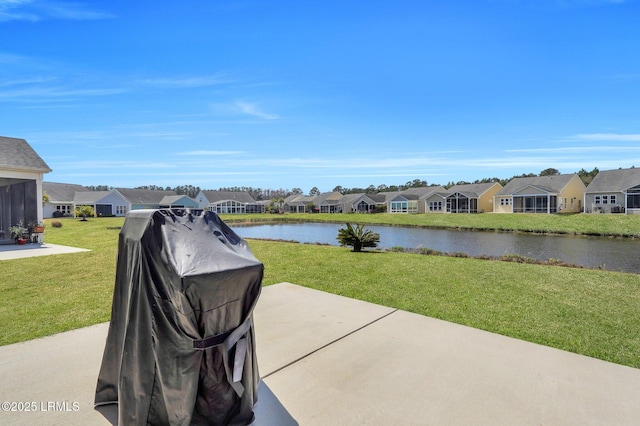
column 570, row 199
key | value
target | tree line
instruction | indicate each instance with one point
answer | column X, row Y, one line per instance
column 259, row 194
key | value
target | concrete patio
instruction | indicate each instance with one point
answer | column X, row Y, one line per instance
column 327, row 359
column 15, row 251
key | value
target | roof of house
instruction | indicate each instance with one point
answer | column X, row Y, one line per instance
column 473, row 188
column 90, row 197
column 17, row 154
column 299, row 199
column 551, row 184
column 383, row 197
column 239, row 196
column 173, row 199
column 614, row 180
column 351, row 198
column 328, row 198
column 61, row 192
column 423, row 191
column 144, row 196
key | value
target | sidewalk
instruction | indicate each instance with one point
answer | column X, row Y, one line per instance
column 15, row 251
column 326, row 359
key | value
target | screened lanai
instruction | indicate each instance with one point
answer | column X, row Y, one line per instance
column 459, row 202
column 535, row 203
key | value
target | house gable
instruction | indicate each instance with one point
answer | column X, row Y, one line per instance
column 533, row 190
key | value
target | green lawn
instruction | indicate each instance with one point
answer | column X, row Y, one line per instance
column 591, row 312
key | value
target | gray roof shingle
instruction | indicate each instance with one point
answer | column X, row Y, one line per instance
column 144, row 196
column 61, row 192
column 17, row 154
column 551, row 184
column 217, row 196
column 614, row 180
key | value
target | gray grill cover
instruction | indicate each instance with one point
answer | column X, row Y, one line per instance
column 181, row 347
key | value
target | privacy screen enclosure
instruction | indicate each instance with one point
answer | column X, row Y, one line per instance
column 181, row 345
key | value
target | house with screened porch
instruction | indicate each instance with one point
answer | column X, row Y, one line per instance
column 614, row 191
column 464, row 198
column 541, row 194
column 228, row 202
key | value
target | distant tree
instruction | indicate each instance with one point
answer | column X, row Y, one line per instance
column 549, row 172
column 314, row 192
column 586, row 176
column 150, row 187
column 357, row 237
column 487, row 180
column 296, row 191
column 98, row 188
column 416, row 183
column 339, row 189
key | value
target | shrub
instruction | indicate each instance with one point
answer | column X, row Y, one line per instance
column 358, row 237
column 84, row 212
column 56, row 224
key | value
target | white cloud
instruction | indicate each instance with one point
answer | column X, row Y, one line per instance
column 186, row 82
column 210, row 153
column 49, row 93
column 253, row 110
column 578, row 149
column 608, row 137
column 33, row 11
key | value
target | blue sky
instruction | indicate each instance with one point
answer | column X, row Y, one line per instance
column 296, row 94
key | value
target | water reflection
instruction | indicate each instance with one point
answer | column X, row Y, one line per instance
column 607, row 253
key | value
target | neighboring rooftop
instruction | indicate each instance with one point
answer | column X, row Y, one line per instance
column 61, row 192
column 615, row 180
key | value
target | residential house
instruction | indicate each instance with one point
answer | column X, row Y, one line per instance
column 228, row 202
column 466, row 198
column 328, row 202
column 104, row 203
column 395, row 202
column 21, row 174
column 614, row 191
column 178, row 202
column 298, row 203
column 357, row 203
column 423, row 193
column 59, row 198
column 146, row 198
column 541, row 194
column 382, row 199
column 411, row 200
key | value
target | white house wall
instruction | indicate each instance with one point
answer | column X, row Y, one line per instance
column 115, row 200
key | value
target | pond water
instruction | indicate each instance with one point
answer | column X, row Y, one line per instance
column 616, row 254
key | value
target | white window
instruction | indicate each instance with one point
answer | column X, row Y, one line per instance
column 230, row 207
column 597, row 199
column 399, row 207
column 605, row 199
column 613, row 199
column 435, row 206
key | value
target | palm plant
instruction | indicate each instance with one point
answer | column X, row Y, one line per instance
column 357, row 237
